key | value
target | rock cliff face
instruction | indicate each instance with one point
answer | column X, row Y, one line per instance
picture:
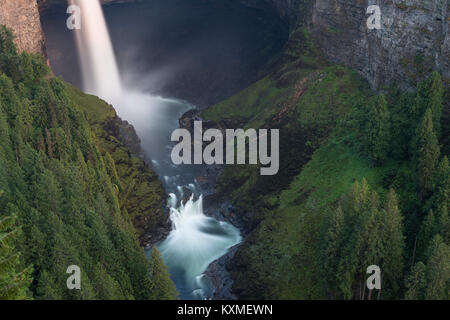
column 22, row 16
column 413, row 39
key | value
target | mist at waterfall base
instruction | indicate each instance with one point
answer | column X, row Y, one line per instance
column 196, row 240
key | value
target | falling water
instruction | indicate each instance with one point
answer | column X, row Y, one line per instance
column 98, row 62
column 196, row 240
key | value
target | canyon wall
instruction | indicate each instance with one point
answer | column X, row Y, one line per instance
column 413, row 39
column 22, row 16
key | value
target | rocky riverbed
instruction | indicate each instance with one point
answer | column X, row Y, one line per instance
column 216, row 205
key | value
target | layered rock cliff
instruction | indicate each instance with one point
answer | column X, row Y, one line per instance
column 22, row 17
column 413, row 39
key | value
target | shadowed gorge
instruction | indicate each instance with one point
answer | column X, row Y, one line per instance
column 357, row 93
column 193, row 50
column 190, row 246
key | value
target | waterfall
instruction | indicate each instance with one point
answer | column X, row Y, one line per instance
column 196, row 240
column 99, row 67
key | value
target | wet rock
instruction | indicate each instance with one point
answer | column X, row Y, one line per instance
column 218, row 275
column 129, row 137
column 187, row 119
column 187, row 194
column 150, row 239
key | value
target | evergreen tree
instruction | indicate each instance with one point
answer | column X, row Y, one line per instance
column 9, row 60
column 427, row 152
column 111, row 169
column 4, row 129
column 441, row 198
column 403, row 124
column 430, row 96
column 438, row 270
column 332, row 252
column 376, row 131
column 47, row 287
column 361, row 237
column 415, row 282
column 444, row 224
column 162, row 286
column 393, row 239
column 366, row 234
column 428, row 230
column 442, row 183
column 14, row 281
column 372, row 244
column 9, row 100
column 63, row 193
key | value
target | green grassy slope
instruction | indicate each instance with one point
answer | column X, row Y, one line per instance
column 317, row 108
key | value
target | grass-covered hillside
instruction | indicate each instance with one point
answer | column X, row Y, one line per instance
column 364, row 180
column 69, row 191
